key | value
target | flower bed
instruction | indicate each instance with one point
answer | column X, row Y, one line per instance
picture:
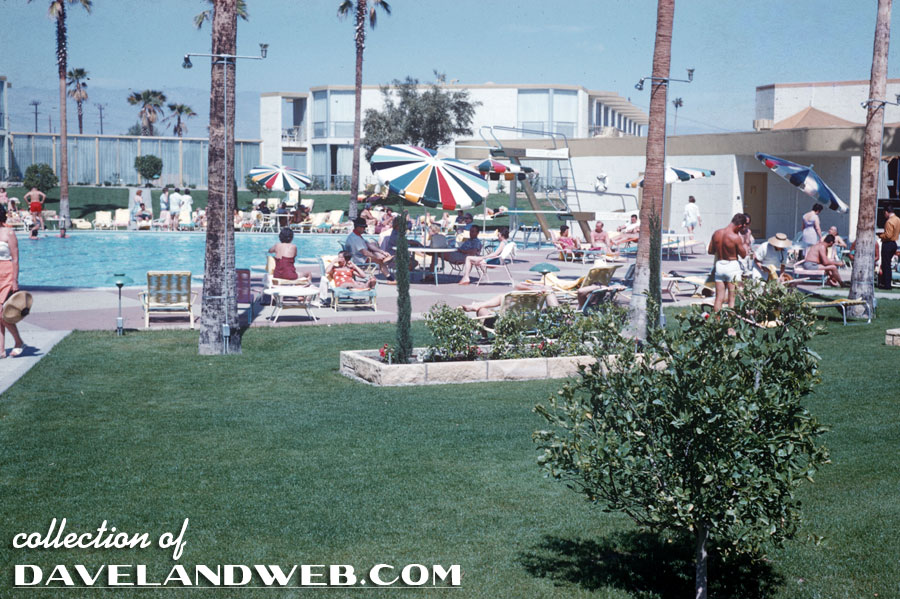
column 367, row 366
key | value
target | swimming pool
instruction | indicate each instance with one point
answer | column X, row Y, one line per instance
column 86, row 259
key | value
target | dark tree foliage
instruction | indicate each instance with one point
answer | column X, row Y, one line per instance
column 423, row 116
column 404, row 307
column 148, row 166
column 40, row 175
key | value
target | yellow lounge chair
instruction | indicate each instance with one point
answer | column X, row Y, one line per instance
column 168, row 293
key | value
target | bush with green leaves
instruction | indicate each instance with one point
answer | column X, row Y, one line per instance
column 556, row 331
column 454, row 335
column 704, row 432
column 258, row 189
column 148, row 166
column 40, row 175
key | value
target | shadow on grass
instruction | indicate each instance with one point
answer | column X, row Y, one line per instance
column 85, row 210
column 648, row 566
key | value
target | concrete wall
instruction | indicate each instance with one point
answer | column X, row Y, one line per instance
column 838, row 98
column 270, row 129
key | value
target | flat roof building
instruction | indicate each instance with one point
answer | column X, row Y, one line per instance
column 313, row 131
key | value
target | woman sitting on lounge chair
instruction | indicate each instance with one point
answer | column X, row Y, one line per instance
column 480, row 261
column 343, row 273
column 285, row 252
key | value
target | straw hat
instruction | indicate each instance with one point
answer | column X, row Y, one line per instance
column 17, row 307
column 780, row 241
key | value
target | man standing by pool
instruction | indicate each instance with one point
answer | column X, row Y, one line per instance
column 174, row 207
column 164, row 200
column 34, row 199
column 727, row 246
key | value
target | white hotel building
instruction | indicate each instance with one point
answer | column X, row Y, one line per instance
column 313, row 131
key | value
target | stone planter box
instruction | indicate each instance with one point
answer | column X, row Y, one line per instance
column 366, row 366
column 892, row 337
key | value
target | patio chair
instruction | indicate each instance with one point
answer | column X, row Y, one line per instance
column 103, row 219
column 506, row 257
column 168, row 293
column 308, row 204
column 341, row 296
column 514, row 301
column 122, row 218
column 335, row 221
column 598, row 297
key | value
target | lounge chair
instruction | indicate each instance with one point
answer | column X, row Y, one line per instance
column 168, row 293
column 811, row 276
column 341, row 296
column 103, row 219
column 185, row 221
column 80, row 223
column 597, row 297
column 514, row 301
column 568, row 290
column 335, row 221
column 122, row 218
column 308, row 204
column 506, row 257
column 315, row 222
column 160, row 223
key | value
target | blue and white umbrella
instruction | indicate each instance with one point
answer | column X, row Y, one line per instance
column 805, row 179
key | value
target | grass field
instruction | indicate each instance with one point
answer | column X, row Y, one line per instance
column 84, row 202
column 277, row 459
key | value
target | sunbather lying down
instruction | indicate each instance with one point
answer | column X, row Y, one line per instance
column 485, row 308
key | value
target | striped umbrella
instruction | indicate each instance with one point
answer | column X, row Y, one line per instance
column 805, row 179
column 497, row 169
column 675, row 174
column 422, row 177
column 279, row 178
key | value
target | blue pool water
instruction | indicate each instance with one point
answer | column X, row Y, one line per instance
column 86, row 259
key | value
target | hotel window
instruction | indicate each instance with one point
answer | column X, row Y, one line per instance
column 534, row 110
column 565, row 111
column 340, row 115
column 320, row 114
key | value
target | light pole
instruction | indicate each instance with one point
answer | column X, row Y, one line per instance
column 640, row 87
column 225, row 60
column 120, row 280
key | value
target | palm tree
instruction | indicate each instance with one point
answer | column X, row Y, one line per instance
column 75, row 79
column 361, row 8
column 180, row 111
column 677, row 103
column 151, row 103
column 207, row 14
column 219, row 278
column 861, row 279
column 58, row 11
column 647, row 263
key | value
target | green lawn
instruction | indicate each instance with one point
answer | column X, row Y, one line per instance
column 277, row 459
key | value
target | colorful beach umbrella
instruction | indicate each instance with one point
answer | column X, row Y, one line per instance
column 279, row 178
column 675, row 174
column 497, row 169
column 805, row 179
column 423, row 177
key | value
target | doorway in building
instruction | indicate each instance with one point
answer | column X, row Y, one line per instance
column 755, row 202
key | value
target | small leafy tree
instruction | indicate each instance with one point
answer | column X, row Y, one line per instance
column 454, row 335
column 259, row 190
column 704, row 432
column 149, row 167
column 431, row 117
column 40, row 175
column 404, row 306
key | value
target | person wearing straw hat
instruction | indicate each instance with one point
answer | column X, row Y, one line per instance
column 9, row 284
column 772, row 253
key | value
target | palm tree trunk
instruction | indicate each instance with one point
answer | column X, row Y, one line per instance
column 80, row 118
column 861, row 281
column 61, row 59
column 357, row 109
column 647, row 263
column 219, row 289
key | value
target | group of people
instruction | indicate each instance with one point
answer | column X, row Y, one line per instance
column 33, row 218
column 176, row 207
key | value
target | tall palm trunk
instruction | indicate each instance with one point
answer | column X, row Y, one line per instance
column 219, row 289
column 80, row 117
column 647, row 263
column 61, row 59
column 357, row 109
column 861, row 282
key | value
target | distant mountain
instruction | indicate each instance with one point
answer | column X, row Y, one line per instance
column 119, row 115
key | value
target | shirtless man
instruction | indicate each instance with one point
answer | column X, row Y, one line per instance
column 34, row 199
column 627, row 233
column 600, row 239
column 817, row 259
column 727, row 246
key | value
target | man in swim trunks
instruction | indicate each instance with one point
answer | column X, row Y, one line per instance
column 34, row 199
column 728, row 246
column 817, row 259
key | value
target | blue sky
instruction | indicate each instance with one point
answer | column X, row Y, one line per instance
column 601, row 44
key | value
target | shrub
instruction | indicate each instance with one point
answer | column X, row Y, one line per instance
column 258, row 189
column 454, row 335
column 40, row 175
column 149, row 167
column 704, row 432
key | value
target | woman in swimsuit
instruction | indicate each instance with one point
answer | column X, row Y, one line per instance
column 343, row 273
column 9, row 283
column 812, row 230
column 285, row 252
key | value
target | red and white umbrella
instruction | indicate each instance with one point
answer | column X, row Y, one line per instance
column 279, row 178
